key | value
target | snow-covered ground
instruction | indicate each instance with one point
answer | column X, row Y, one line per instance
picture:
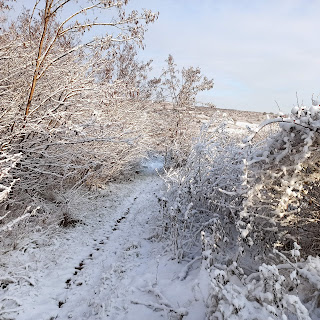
column 110, row 266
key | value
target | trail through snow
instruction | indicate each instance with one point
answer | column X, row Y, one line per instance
column 108, row 267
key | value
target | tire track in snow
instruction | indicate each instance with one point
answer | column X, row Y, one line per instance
column 107, row 283
column 91, row 266
column 84, row 264
column 97, row 269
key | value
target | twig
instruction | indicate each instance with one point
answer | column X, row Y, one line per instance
column 155, row 307
column 184, row 273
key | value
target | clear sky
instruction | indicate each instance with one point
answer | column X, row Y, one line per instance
column 257, row 51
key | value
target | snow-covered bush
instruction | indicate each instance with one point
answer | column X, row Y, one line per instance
column 71, row 106
column 281, row 175
column 7, row 163
column 206, row 192
column 266, row 294
column 250, row 206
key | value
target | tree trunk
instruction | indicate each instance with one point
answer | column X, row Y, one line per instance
column 36, row 70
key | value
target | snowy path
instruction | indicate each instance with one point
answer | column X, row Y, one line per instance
column 106, row 268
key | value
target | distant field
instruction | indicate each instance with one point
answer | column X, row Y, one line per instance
column 164, row 118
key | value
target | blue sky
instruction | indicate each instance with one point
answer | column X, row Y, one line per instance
column 257, row 51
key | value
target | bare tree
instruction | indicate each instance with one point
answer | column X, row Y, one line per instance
column 180, row 88
column 129, row 26
column 79, row 120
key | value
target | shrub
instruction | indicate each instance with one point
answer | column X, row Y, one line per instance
column 246, row 208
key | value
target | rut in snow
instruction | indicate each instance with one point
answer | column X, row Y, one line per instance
column 108, row 267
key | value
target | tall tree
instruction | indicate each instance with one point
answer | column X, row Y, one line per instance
column 127, row 27
column 67, row 122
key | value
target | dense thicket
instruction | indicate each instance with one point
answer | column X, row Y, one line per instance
column 78, row 109
column 247, row 206
column 71, row 109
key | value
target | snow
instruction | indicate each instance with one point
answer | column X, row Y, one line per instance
column 243, row 124
column 111, row 265
column 114, row 264
column 239, row 127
